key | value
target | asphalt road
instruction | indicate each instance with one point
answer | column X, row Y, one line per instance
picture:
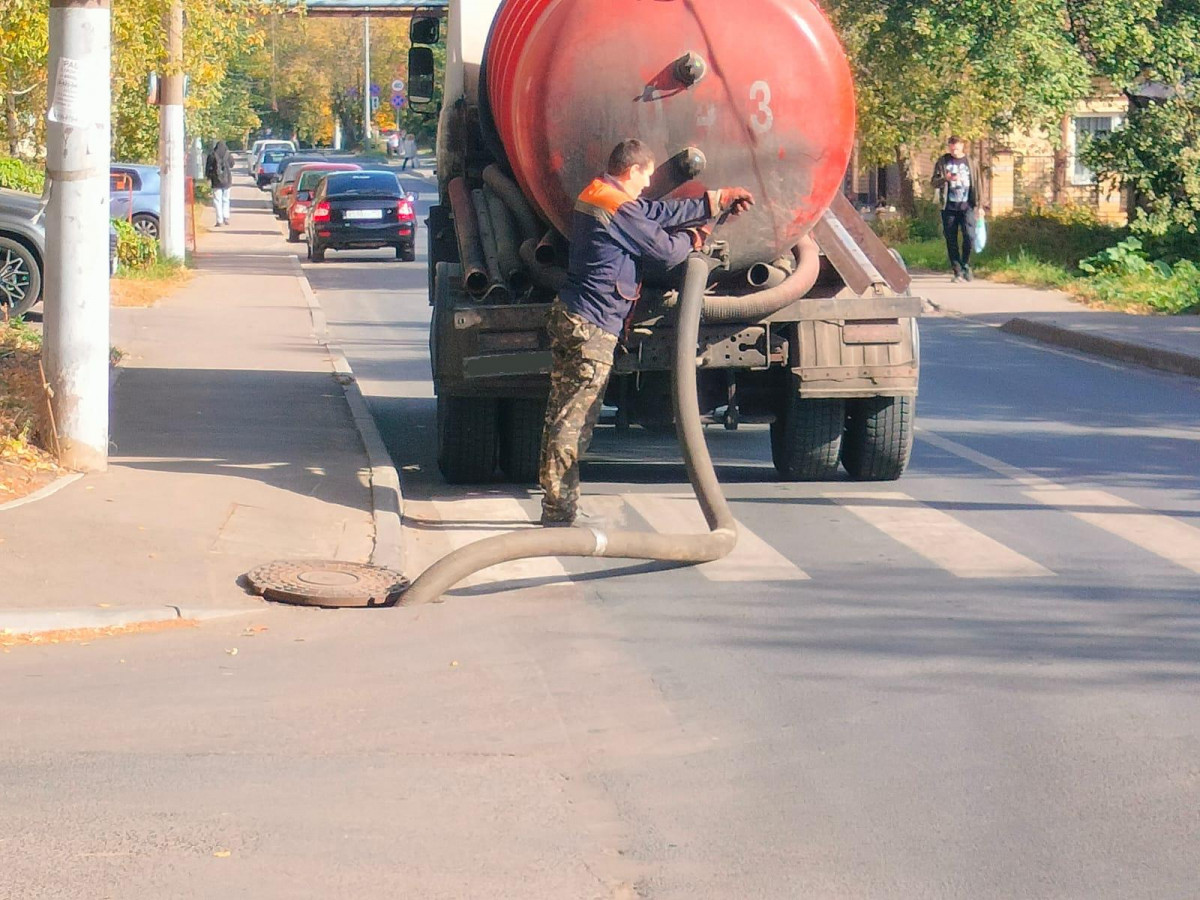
column 977, row 682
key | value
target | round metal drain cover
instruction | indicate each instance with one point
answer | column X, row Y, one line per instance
column 326, row 582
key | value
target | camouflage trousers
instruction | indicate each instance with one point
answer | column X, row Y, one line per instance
column 583, row 360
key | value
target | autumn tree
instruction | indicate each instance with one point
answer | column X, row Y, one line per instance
column 974, row 67
column 23, row 50
column 1150, row 49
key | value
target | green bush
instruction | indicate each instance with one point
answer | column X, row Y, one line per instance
column 1124, row 275
column 134, row 251
column 20, row 175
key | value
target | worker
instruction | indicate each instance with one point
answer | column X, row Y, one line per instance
column 612, row 231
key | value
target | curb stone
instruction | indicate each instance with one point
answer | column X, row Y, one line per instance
column 387, row 495
column 1096, row 345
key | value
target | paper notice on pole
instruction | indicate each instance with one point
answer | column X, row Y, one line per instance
column 75, row 100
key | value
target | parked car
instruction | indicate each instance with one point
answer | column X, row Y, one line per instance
column 282, row 187
column 268, row 166
column 23, row 251
column 365, row 209
column 306, row 183
column 256, row 151
column 134, row 196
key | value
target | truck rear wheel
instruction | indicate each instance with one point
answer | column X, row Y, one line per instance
column 806, row 436
column 466, row 438
column 878, row 438
column 521, row 424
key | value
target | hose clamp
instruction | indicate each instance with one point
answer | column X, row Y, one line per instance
column 601, row 541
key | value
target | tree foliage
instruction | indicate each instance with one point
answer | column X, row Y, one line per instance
column 925, row 68
column 1150, row 49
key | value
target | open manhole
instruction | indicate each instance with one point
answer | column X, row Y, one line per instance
column 326, row 582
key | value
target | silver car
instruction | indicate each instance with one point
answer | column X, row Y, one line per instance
column 23, row 251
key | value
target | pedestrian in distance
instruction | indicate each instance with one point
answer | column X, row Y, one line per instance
column 218, row 169
column 409, row 151
column 956, row 182
column 393, row 144
column 612, row 231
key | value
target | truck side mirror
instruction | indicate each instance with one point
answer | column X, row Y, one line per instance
column 420, row 75
column 424, row 30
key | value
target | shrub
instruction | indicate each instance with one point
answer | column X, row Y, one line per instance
column 134, row 251
column 20, row 175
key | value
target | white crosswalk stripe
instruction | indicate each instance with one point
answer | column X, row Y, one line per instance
column 1162, row 535
column 939, row 537
column 467, row 520
column 753, row 559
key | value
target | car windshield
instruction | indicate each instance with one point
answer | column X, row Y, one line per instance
column 350, row 184
column 308, row 180
column 274, row 156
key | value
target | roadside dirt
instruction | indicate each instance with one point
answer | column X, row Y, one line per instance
column 26, row 464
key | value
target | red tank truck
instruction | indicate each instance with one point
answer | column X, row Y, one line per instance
column 809, row 325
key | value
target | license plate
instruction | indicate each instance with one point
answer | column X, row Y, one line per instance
column 364, row 214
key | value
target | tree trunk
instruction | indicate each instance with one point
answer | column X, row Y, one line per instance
column 1062, row 161
column 10, row 122
column 907, row 201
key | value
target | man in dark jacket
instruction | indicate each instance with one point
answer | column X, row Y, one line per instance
column 612, row 231
column 956, row 181
column 218, row 169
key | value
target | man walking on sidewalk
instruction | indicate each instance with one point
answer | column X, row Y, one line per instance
column 956, row 181
column 612, row 231
column 218, row 169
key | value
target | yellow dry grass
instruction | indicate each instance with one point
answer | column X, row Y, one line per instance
column 25, row 431
column 146, row 291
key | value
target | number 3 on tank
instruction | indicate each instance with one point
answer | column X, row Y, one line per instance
column 762, row 118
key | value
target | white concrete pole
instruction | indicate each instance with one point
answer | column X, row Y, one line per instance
column 76, row 294
column 366, row 81
column 171, row 139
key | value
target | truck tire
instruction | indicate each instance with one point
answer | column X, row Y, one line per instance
column 521, row 425
column 806, row 436
column 466, row 438
column 878, row 437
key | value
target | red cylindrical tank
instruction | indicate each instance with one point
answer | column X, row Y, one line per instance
column 773, row 111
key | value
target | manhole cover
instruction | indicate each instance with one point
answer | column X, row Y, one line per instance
column 325, row 582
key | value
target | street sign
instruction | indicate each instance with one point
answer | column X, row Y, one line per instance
column 398, row 100
column 397, row 86
column 374, row 104
column 374, row 90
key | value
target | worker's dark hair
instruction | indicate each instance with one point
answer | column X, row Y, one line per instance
column 954, row 139
column 628, row 154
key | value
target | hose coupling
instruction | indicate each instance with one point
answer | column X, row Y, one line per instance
column 690, row 68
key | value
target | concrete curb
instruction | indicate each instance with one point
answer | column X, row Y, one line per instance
column 41, row 494
column 33, row 621
column 387, row 496
column 1110, row 348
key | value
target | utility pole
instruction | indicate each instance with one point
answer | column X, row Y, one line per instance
column 171, row 139
column 366, row 82
column 78, row 125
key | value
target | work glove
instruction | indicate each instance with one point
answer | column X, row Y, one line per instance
column 734, row 200
column 699, row 236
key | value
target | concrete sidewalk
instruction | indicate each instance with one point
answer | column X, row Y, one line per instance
column 1169, row 343
column 232, row 445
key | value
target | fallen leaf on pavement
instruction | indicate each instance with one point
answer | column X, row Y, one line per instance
column 222, row 854
column 232, row 651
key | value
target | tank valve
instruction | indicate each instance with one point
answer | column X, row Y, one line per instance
column 692, row 162
column 690, row 68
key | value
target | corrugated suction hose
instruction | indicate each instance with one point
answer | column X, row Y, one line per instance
column 591, row 541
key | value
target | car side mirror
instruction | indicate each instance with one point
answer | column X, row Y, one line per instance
column 420, row 75
column 424, row 30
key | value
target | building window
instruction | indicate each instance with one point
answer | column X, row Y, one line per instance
column 1086, row 128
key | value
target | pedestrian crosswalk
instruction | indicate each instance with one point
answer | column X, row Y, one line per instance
column 920, row 534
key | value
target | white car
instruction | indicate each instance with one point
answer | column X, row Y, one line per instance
column 257, row 148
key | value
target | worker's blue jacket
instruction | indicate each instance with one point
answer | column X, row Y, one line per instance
column 611, row 233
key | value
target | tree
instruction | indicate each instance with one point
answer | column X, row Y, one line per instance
column 24, row 46
column 972, row 67
column 1150, row 49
